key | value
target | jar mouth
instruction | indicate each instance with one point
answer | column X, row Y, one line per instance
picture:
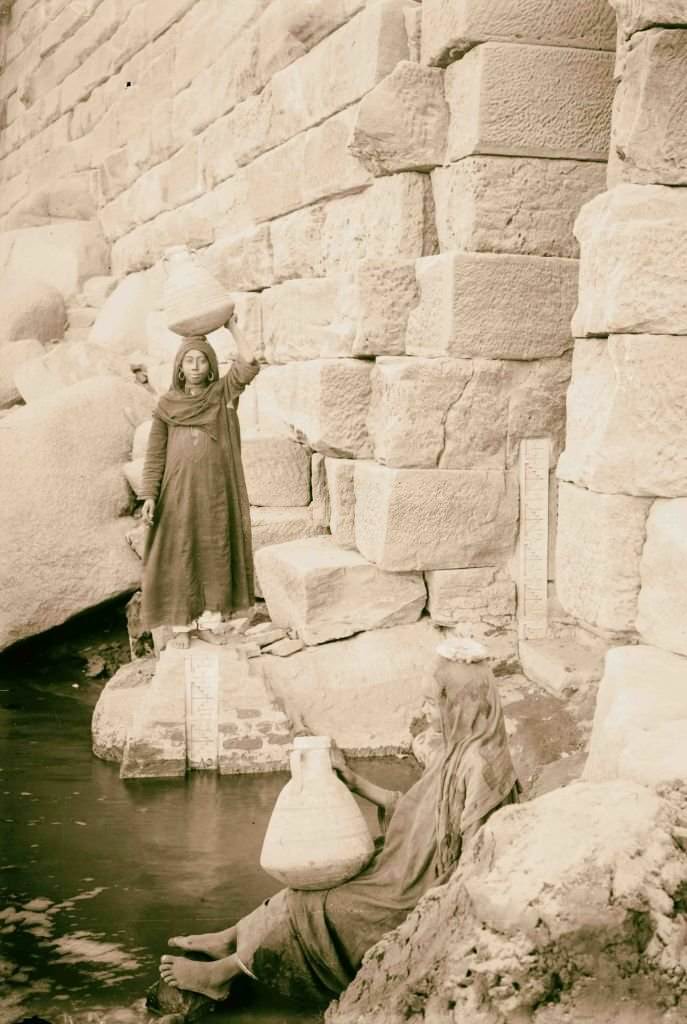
column 312, row 743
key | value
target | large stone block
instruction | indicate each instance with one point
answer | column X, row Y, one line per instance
column 66, row 453
column 62, row 255
column 483, row 596
column 450, row 27
column 306, row 93
column 242, row 262
column 392, row 219
column 598, row 550
column 641, row 717
column 518, row 205
column 31, row 309
column 483, row 305
column 13, row 355
column 277, row 471
column 308, row 319
column 637, row 15
column 627, row 416
column 297, row 244
column 385, row 292
column 321, row 402
column 537, row 404
column 313, row 165
column 326, row 593
column 649, row 133
column 64, row 365
column 662, row 608
column 530, row 101
column 341, row 489
column 280, row 525
column 121, row 323
column 633, row 242
column 364, row 691
column 402, row 123
column 410, row 519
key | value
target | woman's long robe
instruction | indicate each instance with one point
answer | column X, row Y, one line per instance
column 198, row 553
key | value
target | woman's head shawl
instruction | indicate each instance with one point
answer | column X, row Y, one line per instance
column 177, row 408
column 476, row 773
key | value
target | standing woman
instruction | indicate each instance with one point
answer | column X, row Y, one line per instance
column 198, row 559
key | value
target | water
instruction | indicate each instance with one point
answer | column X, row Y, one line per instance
column 95, row 873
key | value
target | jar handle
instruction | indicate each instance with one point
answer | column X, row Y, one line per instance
column 297, row 769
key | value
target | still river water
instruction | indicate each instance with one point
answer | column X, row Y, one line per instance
column 96, row 874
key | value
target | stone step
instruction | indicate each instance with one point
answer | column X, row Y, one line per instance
column 562, row 666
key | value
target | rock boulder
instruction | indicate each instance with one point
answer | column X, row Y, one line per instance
column 31, row 309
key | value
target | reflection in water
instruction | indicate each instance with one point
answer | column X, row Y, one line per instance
column 96, row 874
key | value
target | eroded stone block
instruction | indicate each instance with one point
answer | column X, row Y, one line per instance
column 242, row 262
column 13, row 355
column 31, row 309
column 341, row 488
column 637, row 15
column 325, row 592
column 64, row 365
column 662, row 609
column 519, row 205
column 403, row 122
column 460, row 596
column 598, row 549
column 297, row 244
column 627, row 416
column 279, row 525
column 277, row 471
column 410, row 519
column 308, row 319
column 481, row 305
column 530, row 101
column 450, row 27
column 385, row 292
column 633, row 242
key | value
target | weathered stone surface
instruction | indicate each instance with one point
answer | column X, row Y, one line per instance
column 309, row 167
column 64, row 365
column 563, row 667
column 76, row 518
column 325, row 592
column 649, row 131
column 297, row 244
column 320, row 505
column 242, row 262
column 598, row 550
column 12, row 356
column 643, row 692
column 279, row 525
column 115, row 708
column 461, row 597
column 633, row 242
column 627, row 416
column 121, row 323
column 277, row 471
column 480, row 305
column 537, row 404
column 96, row 289
column 321, row 402
column 62, row 255
column 565, row 907
column 519, row 205
column 409, row 519
column 392, row 219
column 530, row 101
column 402, row 123
column 385, row 292
column 364, row 690
column 636, row 15
column 31, row 309
column 341, row 488
column 662, row 607
column 308, row 319
column 450, row 28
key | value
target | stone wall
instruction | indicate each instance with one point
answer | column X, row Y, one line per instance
column 389, row 189
column 622, row 542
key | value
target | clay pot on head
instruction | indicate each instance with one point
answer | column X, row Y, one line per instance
column 194, row 302
column 317, row 836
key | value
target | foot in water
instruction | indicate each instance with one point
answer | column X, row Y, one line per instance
column 212, row 980
column 216, row 945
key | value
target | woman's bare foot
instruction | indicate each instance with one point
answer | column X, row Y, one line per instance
column 211, row 636
column 181, row 640
column 213, row 980
column 216, row 945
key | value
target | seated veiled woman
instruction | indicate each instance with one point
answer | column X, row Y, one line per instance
column 310, row 944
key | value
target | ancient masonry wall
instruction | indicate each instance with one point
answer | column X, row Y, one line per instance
column 390, row 189
column 622, row 542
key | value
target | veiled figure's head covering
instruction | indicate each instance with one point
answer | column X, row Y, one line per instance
column 476, row 773
column 177, row 408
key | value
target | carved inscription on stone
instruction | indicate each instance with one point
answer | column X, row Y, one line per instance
column 202, row 698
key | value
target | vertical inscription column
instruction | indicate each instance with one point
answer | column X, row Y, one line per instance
column 534, row 538
column 202, row 709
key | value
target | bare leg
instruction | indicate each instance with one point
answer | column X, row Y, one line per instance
column 216, row 945
column 213, row 980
